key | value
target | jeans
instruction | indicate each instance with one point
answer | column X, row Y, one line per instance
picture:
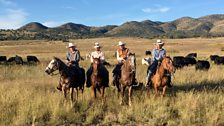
column 152, row 69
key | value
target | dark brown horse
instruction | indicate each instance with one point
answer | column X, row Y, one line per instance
column 70, row 76
column 160, row 78
column 127, row 77
column 99, row 78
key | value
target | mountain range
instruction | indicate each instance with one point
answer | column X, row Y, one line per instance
column 206, row 26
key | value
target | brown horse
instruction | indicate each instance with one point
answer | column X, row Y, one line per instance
column 70, row 76
column 160, row 78
column 99, row 78
column 127, row 77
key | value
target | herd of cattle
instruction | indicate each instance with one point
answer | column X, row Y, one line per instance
column 190, row 59
column 19, row 60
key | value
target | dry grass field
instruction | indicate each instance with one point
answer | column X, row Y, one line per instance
column 28, row 94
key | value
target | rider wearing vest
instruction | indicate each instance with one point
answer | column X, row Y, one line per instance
column 122, row 55
column 72, row 58
column 73, row 55
column 158, row 53
column 96, row 54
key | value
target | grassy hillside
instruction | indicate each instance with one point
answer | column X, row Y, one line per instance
column 29, row 97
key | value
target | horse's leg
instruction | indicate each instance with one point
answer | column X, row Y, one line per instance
column 93, row 92
column 129, row 95
column 64, row 93
column 102, row 93
column 164, row 91
column 72, row 93
column 156, row 90
column 122, row 94
column 118, row 90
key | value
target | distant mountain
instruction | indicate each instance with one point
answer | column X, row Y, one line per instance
column 137, row 29
column 33, row 26
column 206, row 26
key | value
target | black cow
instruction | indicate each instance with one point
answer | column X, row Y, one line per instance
column 178, row 61
column 147, row 52
column 219, row 60
column 11, row 60
column 3, row 59
column 17, row 59
column 192, row 55
column 189, row 61
column 202, row 65
column 32, row 59
column 213, row 57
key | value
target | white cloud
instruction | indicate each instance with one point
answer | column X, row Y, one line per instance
column 13, row 19
column 68, row 7
column 52, row 23
column 157, row 9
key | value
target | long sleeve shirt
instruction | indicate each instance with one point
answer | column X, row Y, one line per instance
column 97, row 54
column 158, row 54
column 73, row 57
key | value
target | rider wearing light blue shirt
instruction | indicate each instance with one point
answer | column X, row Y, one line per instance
column 158, row 53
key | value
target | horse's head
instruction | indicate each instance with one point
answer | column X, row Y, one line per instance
column 52, row 66
column 96, row 63
column 167, row 64
column 131, row 61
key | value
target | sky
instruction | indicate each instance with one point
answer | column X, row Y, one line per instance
column 51, row 13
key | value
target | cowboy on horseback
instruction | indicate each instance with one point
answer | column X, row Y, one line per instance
column 72, row 59
column 122, row 55
column 158, row 53
column 96, row 54
column 73, row 55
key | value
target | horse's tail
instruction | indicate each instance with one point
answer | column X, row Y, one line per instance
column 83, row 79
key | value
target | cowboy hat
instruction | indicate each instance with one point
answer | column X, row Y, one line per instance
column 120, row 43
column 97, row 45
column 70, row 45
column 159, row 42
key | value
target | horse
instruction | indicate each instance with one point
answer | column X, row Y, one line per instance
column 160, row 78
column 70, row 77
column 127, row 78
column 99, row 78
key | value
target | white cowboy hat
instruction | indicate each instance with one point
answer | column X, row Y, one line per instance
column 159, row 42
column 70, row 45
column 97, row 45
column 120, row 43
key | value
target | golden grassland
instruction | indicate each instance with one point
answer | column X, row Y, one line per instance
column 28, row 95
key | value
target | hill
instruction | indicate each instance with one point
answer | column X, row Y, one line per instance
column 185, row 27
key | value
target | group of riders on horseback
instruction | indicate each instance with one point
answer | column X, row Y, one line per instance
column 122, row 53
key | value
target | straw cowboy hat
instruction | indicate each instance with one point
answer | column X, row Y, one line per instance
column 159, row 42
column 70, row 45
column 97, row 45
column 120, row 43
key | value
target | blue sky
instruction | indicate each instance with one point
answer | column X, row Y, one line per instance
column 15, row 13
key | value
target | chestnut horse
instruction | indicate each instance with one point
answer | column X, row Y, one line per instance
column 70, row 77
column 99, row 78
column 127, row 77
column 160, row 78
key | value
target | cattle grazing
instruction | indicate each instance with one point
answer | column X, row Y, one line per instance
column 192, row 55
column 189, row 61
column 213, row 57
column 219, row 60
column 11, row 60
column 202, row 65
column 32, row 59
column 147, row 52
column 146, row 61
column 17, row 59
column 178, row 61
column 3, row 59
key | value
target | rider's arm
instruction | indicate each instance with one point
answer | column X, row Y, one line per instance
column 118, row 57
